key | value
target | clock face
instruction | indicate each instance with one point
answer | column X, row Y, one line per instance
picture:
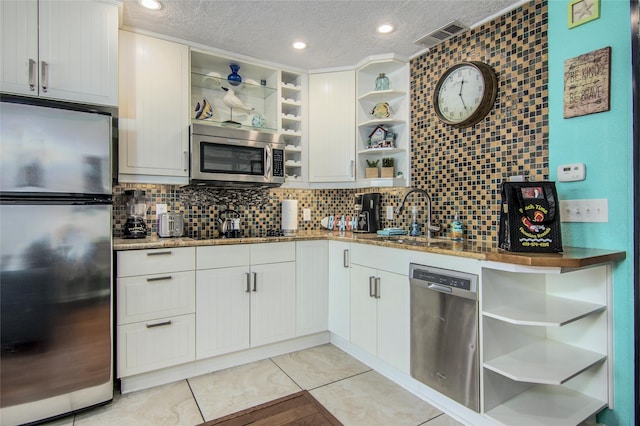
column 465, row 94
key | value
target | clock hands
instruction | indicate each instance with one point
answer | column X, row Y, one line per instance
column 460, row 94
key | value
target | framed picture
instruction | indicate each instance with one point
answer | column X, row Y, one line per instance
column 587, row 83
column 583, row 11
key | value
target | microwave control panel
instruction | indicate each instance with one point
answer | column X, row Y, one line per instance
column 278, row 163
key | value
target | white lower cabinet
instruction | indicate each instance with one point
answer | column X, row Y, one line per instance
column 312, row 293
column 249, row 304
column 155, row 311
column 545, row 344
column 379, row 302
column 339, row 289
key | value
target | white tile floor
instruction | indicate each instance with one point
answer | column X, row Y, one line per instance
column 350, row 390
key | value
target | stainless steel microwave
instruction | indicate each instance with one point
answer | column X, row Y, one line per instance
column 235, row 157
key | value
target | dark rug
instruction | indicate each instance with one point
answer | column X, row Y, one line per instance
column 297, row 409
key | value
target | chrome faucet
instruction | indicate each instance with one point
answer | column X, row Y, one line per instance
column 432, row 228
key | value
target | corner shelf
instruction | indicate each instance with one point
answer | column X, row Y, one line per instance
column 291, row 123
column 546, row 405
column 546, row 344
column 398, row 98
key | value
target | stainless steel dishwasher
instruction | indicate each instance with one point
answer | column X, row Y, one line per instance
column 444, row 332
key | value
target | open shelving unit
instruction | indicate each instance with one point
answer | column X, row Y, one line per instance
column 397, row 96
column 292, row 124
column 546, row 344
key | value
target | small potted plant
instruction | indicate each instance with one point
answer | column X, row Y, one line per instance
column 387, row 167
column 372, row 169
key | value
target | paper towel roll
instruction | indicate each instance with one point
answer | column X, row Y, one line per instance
column 289, row 217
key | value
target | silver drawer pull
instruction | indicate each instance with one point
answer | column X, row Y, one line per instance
column 168, row 277
column 158, row 253
column 159, row 324
column 345, row 258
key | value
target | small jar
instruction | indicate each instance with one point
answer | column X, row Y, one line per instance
column 382, row 82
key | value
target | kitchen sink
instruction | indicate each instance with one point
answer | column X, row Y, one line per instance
column 418, row 241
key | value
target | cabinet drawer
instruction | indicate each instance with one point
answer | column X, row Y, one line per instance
column 222, row 256
column 148, row 297
column 150, row 345
column 155, row 261
column 381, row 258
column 272, row 253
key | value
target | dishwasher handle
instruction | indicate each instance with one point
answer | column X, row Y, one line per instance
column 440, row 288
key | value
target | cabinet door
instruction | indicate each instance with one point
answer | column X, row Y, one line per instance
column 153, row 108
column 19, row 47
column 339, row 292
column 79, row 51
column 332, row 127
column 273, row 299
column 363, row 309
column 222, row 311
column 394, row 320
column 311, row 287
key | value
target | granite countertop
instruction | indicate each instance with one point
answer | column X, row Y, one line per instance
column 571, row 257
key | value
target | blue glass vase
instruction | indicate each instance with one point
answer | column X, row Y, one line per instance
column 382, row 82
column 234, row 78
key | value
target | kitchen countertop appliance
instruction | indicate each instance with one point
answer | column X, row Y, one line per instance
column 55, row 267
column 136, row 207
column 367, row 208
column 444, row 332
column 229, row 224
column 170, row 225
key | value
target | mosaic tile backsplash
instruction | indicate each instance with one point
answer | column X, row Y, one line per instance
column 462, row 169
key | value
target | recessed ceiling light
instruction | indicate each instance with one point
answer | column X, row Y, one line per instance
column 151, row 4
column 299, row 45
column 385, row 28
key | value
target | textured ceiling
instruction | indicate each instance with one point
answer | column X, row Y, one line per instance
column 339, row 33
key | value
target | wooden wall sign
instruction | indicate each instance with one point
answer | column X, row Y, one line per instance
column 587, row 83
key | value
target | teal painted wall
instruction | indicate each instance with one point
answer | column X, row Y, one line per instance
column 603, row 141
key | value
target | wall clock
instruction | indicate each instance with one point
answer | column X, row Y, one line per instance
column 465, row 93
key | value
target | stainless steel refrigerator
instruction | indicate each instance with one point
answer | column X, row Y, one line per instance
column 55, row 259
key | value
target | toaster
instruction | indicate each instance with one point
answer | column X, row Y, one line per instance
column 170, row 225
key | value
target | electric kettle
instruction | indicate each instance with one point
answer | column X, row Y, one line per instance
column 229, row 224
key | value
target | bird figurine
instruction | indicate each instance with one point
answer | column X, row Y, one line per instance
column 233, row 102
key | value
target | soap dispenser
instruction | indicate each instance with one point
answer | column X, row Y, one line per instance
column 414, row 229
column 457, row 231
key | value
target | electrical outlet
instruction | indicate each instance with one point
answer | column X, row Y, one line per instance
column 389, row 212
column 306, row 214
column 160, row 208
column 595, row 210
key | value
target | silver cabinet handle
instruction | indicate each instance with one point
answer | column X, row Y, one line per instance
column 248, row 282
column 185, row 160
column 159, row 324
column 44, row 76
column 32, row 75
column 353, row 168
column 345, row 258
column 158, row 253
column 372, row 291
column 167, row 277
column 377, row 288
column 255, row 281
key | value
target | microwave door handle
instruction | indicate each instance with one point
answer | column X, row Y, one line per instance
column 267, row 159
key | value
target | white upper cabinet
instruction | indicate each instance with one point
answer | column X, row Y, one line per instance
column 64, row 50
column 332, row 127
column 154, row 110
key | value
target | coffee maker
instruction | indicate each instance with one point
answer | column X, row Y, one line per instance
column 368, row 212
column 136, row 208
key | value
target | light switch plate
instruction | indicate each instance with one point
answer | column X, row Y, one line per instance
column 571, row 172
column 160, row 208
column 389, row 213
column 306, row 214
column 596, row 210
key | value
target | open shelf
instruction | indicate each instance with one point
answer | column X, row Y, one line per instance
column 547, row 310
column 544, row 362
column 376, row 96
column 545, row 405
